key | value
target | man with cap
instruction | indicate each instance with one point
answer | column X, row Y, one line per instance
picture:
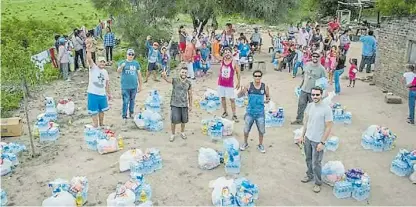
column 131, row 83
column 312, row 71
column 154, row 58
column 98, row 90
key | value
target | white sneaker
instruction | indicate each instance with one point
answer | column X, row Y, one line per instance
column 172, row 138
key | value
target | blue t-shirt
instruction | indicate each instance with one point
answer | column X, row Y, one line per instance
column 205, row 53
column 244, row 50
column 369, row 45
column 130, row 74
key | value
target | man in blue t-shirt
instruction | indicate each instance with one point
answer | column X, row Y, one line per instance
column 205, row 54
column 244, row 49
column 368, row 52
column 131, row 83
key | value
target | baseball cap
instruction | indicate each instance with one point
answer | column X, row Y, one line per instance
column 101, row 59
column 130, row 51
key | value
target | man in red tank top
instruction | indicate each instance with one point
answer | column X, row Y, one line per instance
column 228, row 69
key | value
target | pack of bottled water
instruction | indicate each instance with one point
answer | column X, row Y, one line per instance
column 247, row 192
column 141, row 189
column 154, row 101
column 12, row 147
column 48, row 131
column 403, row 163
column 322, row 83
column 216, row 130
column 3, row 198
column 342, row 189
column 232, row 158
column 90, row 136
column 12, row 157
column 332, row 144
column 275, row 118
column 148, row 163
column 332, row 172
column 233, row 192
column 51, row 113
column 240, row 101
column 360, row 182
column 152, row 120
column 211, row 101
column 340, row 115
column 378, row 138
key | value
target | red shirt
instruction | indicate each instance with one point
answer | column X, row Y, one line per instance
column 333, row 25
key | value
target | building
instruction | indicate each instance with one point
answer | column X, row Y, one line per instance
column 396, row 40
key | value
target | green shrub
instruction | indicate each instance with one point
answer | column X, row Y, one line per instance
column 10, row 101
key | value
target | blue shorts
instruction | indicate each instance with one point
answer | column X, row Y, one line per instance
column 97, row 104
column 260, row 123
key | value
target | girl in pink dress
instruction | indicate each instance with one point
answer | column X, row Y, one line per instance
column 352, row 72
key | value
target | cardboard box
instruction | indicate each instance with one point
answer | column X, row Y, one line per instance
column 11, row 127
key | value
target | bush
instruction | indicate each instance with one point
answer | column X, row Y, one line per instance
column 10, row 101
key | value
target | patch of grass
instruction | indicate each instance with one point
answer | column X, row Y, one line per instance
column 9, row 101
column 81, row 12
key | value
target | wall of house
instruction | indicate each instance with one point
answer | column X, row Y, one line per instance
column 394, row 37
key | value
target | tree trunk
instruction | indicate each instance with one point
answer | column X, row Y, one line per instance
column 25, row 97
column 214, row 22
column 202, row 25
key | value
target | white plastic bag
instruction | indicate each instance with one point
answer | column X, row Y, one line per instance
column 328, row 100
column 66, row 106
column 209, row 92
column 231, row 142
column 218, row 186
column 62, row 198
column 271, row 106
column 124, row 200
column 228, row 127
column 298, row 135
column 208, row 158
column 371, row 130
column 139, row 121
column 107, row 145
column 332, row 172
column 6, row 166
column 127, row 157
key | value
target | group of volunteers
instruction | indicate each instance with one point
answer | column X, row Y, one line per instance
column 316, row 55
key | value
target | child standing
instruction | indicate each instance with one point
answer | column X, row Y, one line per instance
column 205, row 53
column 352, row 72
column 331, row 63
column 165, row 60
column 197, row 63
column 299, row 61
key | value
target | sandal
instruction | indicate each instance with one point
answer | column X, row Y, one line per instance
column 235, row 119
column 225, row 114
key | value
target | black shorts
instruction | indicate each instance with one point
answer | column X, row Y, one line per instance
column 179, row 115
column 151, row 67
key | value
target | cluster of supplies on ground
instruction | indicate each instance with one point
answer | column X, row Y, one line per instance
column 340, row 115
column 133, row 191
column 151, row 119
column 353, row 183
column 404, row 164
column 102, row 140
column 217, row 128
column 64, row 193
column 141, row 163
column 274, row 117
column 209, row 159
column 9, row 156
column 378, row 138
column 210, row 101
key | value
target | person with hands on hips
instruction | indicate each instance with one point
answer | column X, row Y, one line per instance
column 258, row 95
column 316, row 129
column 131, row 83
column 180, row 102
column 98, row 92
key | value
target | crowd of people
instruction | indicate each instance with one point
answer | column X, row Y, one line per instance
column 315, row 55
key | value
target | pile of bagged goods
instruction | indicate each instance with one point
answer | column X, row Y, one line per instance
column 233, row 192
column 353, row 183
column 274, row 117
column 9, row 156
column 378, row 138
column 134, row 191
column 45, row 127
column 141, row 163
column 217, row 127
column 151, row 119
column 340, row 115
column 209, row 159
column 404, row 164
column 102, row 140
column 210, row 101
column 66, row 106
column 64, row 193
column 331, row 144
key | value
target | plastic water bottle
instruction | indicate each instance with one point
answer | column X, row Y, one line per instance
column 53, row 134
column 233, row 163
column 51, row 113
column 269, row 119
column 90, row 136
column 332, row 144
column 239, row 102
column 342, row 189
column 203, row 104
column 280, row 116
column 388, row 144
column 367, row 142
column 400, row 168
column 378, row 145
column 216, row 130
column 3, row 198
column 347, row 118
column 361, row 192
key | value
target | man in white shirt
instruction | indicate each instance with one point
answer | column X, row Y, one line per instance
column 98, row 90
column 316, row 129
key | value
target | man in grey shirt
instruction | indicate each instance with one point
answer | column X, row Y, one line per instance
column 317, row 127
column 181, row 101
column 313, row 71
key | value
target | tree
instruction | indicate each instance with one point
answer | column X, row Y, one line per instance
column 396, row 7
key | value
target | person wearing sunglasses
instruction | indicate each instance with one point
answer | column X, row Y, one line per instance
column 131, row 83
column 98, row 92
column 258, row 94
column 316, row 129
column 312, row 71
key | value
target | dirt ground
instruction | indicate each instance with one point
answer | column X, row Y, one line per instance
column 181, row 182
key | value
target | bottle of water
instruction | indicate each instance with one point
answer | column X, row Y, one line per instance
column 233, row 164
column 216, row 130
column 378, row 145
column 3, row 198
column 347, row 117
column 136, row 168
column 332, row 144
column 43, row 127
column 90, row 136
column 51, row 113
column 400, row 168
column 53, row 134
column 361, row 192
column 269, row 119
column 367, row 142
column 239, row 102
column 342, row 189
column 203, row 104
